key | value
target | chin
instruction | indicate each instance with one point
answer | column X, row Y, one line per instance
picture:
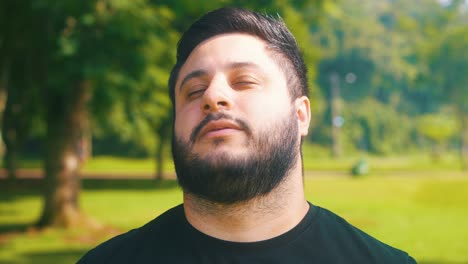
column 224, row 156
column 219, row 146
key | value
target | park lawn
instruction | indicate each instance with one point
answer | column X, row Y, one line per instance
column 316, row 158
column 114, row 165
column 120, row 165
column 426, row 215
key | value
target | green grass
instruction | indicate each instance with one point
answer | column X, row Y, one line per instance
column 316, row 158
column 424, row 215
column 108, row 164
column 319, row 158
column 415, row 162
column 428, row 217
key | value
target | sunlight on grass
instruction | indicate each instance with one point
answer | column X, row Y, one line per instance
column 426, row 216
column 319, row 158
column 116, row 165
column 316, row 158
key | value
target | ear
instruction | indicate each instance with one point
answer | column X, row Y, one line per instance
column 302, row 105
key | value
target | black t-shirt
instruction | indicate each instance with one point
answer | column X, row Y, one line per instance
column 321, row 237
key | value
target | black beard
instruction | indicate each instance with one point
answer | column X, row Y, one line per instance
column 226, row 179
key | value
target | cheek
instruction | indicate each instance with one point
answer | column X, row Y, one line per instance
column 266, row 109
column 186, row 119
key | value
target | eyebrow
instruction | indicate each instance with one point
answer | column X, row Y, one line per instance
column 233, row 65
column 190, row 76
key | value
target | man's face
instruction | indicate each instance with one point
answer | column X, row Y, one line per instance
column 236, row 127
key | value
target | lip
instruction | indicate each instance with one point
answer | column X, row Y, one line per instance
column 218, row 128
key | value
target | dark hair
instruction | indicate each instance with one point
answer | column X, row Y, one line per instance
column 237, row 20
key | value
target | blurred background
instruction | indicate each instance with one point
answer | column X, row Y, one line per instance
column 86, row 120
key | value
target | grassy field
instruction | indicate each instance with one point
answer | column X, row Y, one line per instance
column 316, row 158
column 424, row 214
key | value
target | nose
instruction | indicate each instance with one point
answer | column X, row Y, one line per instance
column 217, row 97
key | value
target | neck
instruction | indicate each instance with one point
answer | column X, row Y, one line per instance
column 258, row 219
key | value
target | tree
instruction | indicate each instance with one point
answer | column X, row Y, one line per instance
column 91, row 54
column 20, row 117
column 19, row 109
column 371, row 48
column 438, row 129
column 448, row 77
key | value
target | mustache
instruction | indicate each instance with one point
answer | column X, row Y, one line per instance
column 217, row 116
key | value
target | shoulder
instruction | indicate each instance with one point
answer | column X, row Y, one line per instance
column 355, row 243
column 124, row 247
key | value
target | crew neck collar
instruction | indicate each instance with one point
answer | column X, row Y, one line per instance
column 212, row 243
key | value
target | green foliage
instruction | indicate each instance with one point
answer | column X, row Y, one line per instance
column 408, row 56
column 296, row 21
column 370, row 62
column 437, row 128
column 448, row 62
column 376, row 127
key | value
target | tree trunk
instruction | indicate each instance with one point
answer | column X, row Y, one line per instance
column 66, row 120
column 4, row 82
column 11, row 142
column 163, row 132
column 11, row 137
column 437, row 150
column 464, row 142
column 159, row 158
column 335, row 103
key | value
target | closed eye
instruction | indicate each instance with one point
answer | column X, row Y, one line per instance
column 245, row 83
column 195, row 93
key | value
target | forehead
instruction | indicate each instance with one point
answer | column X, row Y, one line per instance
column 217, row 53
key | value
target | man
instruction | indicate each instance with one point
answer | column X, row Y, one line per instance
column 239, row 91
